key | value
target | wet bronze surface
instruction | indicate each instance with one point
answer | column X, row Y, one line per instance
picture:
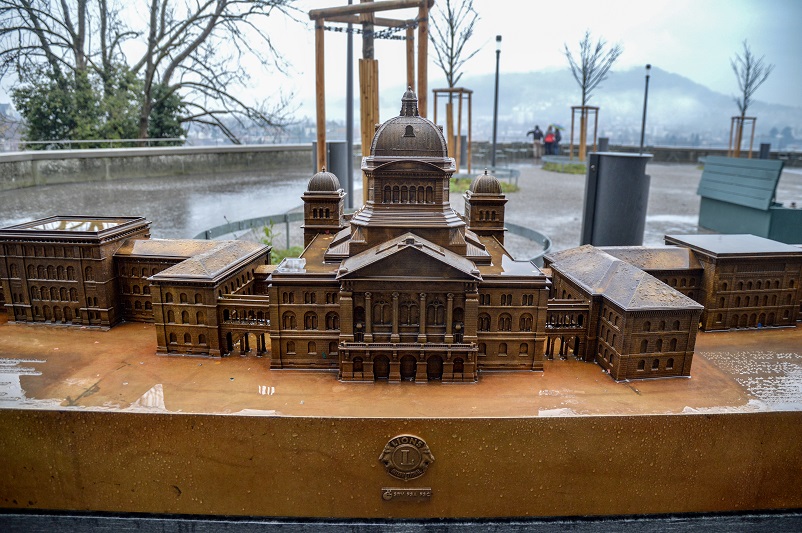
column 92, row 433
column 118, row 370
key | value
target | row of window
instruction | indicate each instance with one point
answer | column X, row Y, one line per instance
column 757, row 285
column 135, row 272
column 59, row 294
column 506, row 299
column 310, row 297
column 332, row 321
column 610, row 358
column 188, row 339
column 182, row 298
column 647, row 326
column 753, row 320
column 408, row 195
column 682, row 282
column 136, row 289
column 525, row 322
column 753, row 301
column 487, row 215
column 320, row 212
column 523, row 349
column 657, row 346
column 200, row 317
column 46, row 272
column 62, row 314
column 49, row 251
column 565, row 320
column 311, row 348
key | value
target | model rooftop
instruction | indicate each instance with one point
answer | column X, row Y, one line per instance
column 75, row 224
column 723, row 245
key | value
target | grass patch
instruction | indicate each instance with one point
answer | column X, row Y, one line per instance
column 277, row 255
column 461, row 185
column 565, row 168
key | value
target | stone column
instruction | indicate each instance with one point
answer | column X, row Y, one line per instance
column 395, row 337
column 368, row 318
column 449, row 317
column 346, row 316
column 422, row 315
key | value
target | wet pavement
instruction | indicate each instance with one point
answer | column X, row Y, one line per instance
column 739, row 371
column 183, row 206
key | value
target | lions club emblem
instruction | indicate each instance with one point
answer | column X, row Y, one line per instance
column 406, row 457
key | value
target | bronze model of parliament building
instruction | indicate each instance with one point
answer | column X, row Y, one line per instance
column 405, row 288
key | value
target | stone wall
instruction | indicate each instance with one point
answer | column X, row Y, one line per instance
column 30, row 169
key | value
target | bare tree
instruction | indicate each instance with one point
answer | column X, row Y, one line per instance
column 592, row 67
column 192, row 51
column 451, row 29
column 751, row 72
column 594, row 63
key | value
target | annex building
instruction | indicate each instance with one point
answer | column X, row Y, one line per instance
column 405, row 289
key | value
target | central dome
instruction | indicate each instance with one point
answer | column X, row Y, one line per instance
column 409, row 134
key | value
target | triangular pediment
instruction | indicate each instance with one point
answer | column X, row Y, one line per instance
column 409, row 256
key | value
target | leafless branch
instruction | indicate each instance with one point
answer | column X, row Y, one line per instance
column 750, row 72
column 593, row 65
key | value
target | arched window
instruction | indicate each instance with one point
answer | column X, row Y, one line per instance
column 89, row 275
column 146, row 289
column 183, row 298
column 641, row 365
column 435, row 313
column 482, row 350
column 34, row 293
column 148, row 306
column 170, row 316
column 332, row 321
column 187, row 338
column 670, row 363
column 31, row 272
column 310, row 320
column 184, row 317
column 202, row 340
column 198, row 298
column 505, row 322
column 526, row 322
column 662, row 325
column 168, row 297
column 200, row 317
column 459, row 365
column 644, row 345
column 136, row 289
column 484, row 322
column 138, row 305
column 647, row 326
column 656, row 364
column 672, row 345
column 173, row 338
column 502, row 348
column 290, row 346
column 311, row 348
column 51, row 272
column 659, row 346
column 382, row 312
column 288, row 320
column 358, row 366
column 676, row 325
column 524, row 349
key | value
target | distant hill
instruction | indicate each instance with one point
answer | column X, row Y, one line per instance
column 679, row 109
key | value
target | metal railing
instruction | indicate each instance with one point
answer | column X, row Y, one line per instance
column 100, row 143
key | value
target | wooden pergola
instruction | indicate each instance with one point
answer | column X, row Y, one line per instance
column 363, row 13
column 455, row 144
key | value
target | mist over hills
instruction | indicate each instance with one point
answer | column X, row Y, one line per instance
column 680, row 111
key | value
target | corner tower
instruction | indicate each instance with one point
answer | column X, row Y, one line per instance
column 323, row 206
column 484, row 207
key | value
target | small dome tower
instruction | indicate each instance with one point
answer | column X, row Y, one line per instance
column 323, row 206
column 484, row 207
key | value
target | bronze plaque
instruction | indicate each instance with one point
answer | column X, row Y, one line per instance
column 406, row 457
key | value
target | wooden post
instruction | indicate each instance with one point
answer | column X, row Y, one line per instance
column 423, row 51
column 571, row 149
column 368, row 108
column 320, row 96
column 410, row 57
column 459, row 133
column 583, row 133
column 469, row 133
column 595, row 127
column 752, row 138
column 450, row 126
column 729, row 147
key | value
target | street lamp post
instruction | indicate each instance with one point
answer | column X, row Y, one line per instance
column 645, row 99
column 495, row 104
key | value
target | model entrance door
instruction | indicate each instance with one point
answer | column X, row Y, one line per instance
column 409, row 367
column 381, row 367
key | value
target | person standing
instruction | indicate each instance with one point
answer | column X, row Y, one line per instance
column 537, row 134
column 549, row 140
column 555, row 148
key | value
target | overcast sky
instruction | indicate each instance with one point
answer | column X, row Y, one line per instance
column 693, row 38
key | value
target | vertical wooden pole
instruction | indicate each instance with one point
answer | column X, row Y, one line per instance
column 595, row 127
column 571, row 149
column 729, row 148
column 459, row 133
column 450, row 126
column 411, row 57
column 434, row 100
column 423, row 51
column 469, row 133
column 320, row 96
column 752, row 138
